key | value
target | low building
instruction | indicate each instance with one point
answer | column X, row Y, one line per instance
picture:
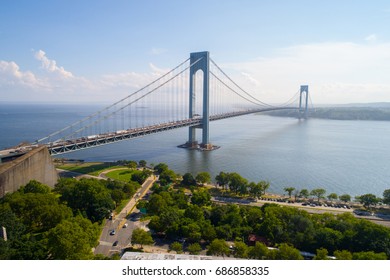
column 155, row 256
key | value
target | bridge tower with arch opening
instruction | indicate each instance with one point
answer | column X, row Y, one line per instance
column 199, row 61
column 303, row 98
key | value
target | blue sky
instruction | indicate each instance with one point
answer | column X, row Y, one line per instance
column 56, row 51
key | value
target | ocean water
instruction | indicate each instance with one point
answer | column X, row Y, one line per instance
column 350, row 157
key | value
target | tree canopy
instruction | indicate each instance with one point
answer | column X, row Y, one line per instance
column 41, row 226
column 141, row 237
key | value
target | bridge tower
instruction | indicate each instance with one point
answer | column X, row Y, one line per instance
column 304, row 93
column 203, row 64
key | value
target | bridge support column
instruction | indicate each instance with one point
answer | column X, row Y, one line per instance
column 304, row 93
column 203, row 65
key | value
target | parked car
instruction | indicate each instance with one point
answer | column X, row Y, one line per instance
column 115, row 243
column 112, row 232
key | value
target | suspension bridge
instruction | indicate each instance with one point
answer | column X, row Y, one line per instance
column 192, row 95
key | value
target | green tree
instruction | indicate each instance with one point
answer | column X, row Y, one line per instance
column 90, row 197
column 142, row 163
column 194, row 212
column 370, row 255
column 222, row 179
column 236, row 182
column 328, row 238
column 35, row 187
column 38, row 212
column 177, row 247
column 264, row 186
column 240, row 250
column 194, row 248
column 117, row 196
column 167, row 176
column 345, row 197
column 73, row 239
column 195, row 233
column 160, row 168
column 287, row 252
column 253, row 217
column 201, row 197
column 203, row 178
column 386, row 196
column 218, row 247
column 255, row 190
column 16, row 231
column 181, row 199
column 319, row 193
column 132, row 164
column 258, row 252
column 321, row 254
column 304, row 193
column 368, row 200
column 141, row 237
column 332, row 196
column 289, row 190
column 188, row 180
column 343, row 255
column 170, row 219
column 156, row 204
column 207, row 230
column 140, row 176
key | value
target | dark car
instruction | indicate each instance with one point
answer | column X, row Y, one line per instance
column 115, row 243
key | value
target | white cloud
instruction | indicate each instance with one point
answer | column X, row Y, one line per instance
column 250, row 79
column 335, row 72
column 51, row 65
column 371, row 38
column 132, row 80
column 11, row 75
column 158, row 71
column 52, row 85
column 59, row 84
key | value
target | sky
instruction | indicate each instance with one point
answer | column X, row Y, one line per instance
column 67, row 51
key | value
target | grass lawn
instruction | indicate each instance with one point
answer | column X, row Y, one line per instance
column 121, row 175
column 92, row 168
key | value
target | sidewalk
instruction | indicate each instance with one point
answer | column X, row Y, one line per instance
column 130, row 206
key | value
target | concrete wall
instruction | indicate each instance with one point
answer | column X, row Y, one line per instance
column 35, row 165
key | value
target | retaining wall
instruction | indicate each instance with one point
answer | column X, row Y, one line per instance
column 35, row 165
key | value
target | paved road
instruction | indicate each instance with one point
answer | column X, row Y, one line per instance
column 310, row 209
column 71, row 174
column 122, row 235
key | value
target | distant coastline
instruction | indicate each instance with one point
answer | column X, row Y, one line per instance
column 358, row 112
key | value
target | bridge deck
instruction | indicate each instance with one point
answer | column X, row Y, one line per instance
column 66, row 146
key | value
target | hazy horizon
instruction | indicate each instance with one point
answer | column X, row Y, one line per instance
column 102, row 51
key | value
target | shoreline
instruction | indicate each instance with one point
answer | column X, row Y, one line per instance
column 313, row 206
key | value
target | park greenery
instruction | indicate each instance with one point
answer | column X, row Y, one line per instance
column 65, row 222
column 185, row 211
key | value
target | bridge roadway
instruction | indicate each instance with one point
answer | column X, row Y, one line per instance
column 66, row 146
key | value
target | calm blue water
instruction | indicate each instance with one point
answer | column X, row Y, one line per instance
column 341, row 156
